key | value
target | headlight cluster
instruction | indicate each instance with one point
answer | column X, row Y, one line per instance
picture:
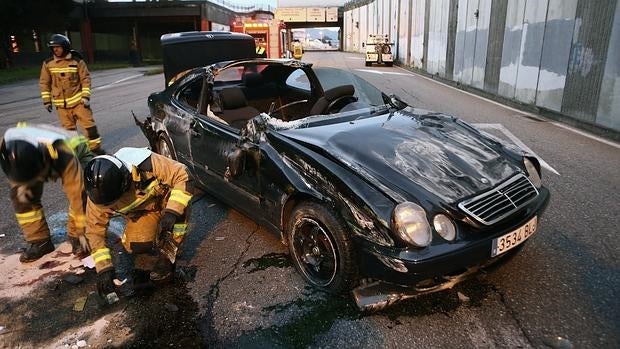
column 532, row 172
column 410, row 223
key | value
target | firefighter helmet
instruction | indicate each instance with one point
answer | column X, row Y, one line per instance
column 59, row 40
column 106, row 178
column 23, row 161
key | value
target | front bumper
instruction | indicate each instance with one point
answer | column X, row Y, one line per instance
column 406, row 273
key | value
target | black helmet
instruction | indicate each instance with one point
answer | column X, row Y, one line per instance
column 106, row 178
column 23, row 161
column 59, row 40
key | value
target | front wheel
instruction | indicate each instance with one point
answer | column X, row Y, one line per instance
column 164, row 147
column 321, row 249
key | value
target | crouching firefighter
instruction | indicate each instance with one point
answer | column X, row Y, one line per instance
column 152, row 193
column 31, row 156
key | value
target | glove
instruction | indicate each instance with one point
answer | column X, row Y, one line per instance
column 105, row 283
column 48, row 107
column 86, row 102
column 166, row 223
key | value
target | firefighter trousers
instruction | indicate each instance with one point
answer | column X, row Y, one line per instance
column 140, row 235
column 71, row 117
column 30, row 216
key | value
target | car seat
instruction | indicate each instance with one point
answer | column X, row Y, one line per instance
column 235, row 108
column 332, row 99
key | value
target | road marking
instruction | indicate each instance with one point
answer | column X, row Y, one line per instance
column 356, row 58
column 381, row 72
column 103, row 87
column 516, row 141
column 568, row 128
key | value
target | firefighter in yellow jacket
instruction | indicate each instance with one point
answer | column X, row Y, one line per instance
column 65, row 84
column 152, row 192
column 31, row 156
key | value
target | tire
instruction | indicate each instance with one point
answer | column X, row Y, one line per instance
column 321, row 250
column 389, row 64
column 368, row 64
column 165, row 147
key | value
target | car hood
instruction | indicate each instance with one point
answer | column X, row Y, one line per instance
column 412, row 151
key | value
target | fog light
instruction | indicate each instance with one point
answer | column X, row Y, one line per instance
column 444, row 227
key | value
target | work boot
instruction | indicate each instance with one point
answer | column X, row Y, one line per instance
column 36, row 250
column 162, row 271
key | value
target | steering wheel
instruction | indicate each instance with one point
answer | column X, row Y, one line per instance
column 339, row 103
column 273, row 111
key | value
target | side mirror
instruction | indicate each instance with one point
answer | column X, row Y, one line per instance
column 236, row 163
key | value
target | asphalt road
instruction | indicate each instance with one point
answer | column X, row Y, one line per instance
column 560, row 291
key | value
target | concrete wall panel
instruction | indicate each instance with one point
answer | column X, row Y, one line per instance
column 559, row 29
column 497, row 23
column 417, row 33
column 394, row 23
column 404, row 32
column 531, row 49
column 482, row 40
column 511, row 49
column 609, row 102
column 438, row 36
column 356, row 30
column 587, row 58
column 364, row 26
column 459, row 46
column 469, row 49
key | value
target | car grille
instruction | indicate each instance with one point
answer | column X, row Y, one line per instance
column 500, row 202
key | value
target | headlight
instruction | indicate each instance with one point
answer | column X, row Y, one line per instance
column 410, row 223
column 444, row 227
column 532, row 172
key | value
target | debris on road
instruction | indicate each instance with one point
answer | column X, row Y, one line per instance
column 219, row 238
column 171, row 307
column 463, row 298
column 80, row 303
column 558, row 342
column 72, row 279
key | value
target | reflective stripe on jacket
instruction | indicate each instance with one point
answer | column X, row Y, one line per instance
column 64, row 81
column 158, row 183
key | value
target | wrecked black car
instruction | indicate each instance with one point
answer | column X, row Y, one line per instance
column 370, row 194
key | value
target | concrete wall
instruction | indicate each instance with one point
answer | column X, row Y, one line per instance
column 609, row 102
column 560, row 55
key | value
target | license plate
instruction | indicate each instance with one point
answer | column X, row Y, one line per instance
column 514, row 238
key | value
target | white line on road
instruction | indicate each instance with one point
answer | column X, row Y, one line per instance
column 103, row 87
column 517, row 142
column 381, row 72
column 356, row 58
column 599, row 139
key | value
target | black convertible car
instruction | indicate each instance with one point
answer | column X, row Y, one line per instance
column 370, row 194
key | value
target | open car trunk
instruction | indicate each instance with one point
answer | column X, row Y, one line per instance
column 187, row 50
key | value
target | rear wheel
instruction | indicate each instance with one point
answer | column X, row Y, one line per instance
column 389, row 64
column 321, row 249
column 368, row 64
column 164, row 147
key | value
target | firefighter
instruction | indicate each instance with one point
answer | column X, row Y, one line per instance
column 261, row 50
column 298, row 50
column 65, row 84
column 31, row 156
column 152, row 192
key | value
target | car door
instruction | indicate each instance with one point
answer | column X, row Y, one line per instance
column 183, row 106
column 211, row 140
